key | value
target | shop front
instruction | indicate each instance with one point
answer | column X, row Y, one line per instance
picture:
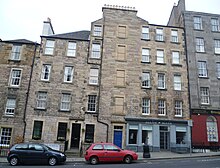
column 159, row 134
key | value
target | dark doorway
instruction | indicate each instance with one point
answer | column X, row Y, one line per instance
column 75, row 138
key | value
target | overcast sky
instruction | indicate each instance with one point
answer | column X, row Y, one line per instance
column 21, row 19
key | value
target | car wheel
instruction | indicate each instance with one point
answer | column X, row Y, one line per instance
column 128, row 159
column 52, row 161
column 14, row 161
column 94, row 160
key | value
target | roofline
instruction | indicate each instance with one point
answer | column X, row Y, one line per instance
column 51, row 37
column 31, row 43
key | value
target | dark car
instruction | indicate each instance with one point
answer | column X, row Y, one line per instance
column 108, row 152
column 29, row 153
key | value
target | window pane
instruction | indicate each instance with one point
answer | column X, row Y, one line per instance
column 145, row 55
column 10, row 106
column 97, row 30
column 45, row 74
column 41, row 100
column 145, row 33
column 146, row 79
column 15, row 54
column 71, row 51
column 96, row 51
column 92, row 103
column 37, row 130
column 49, row 47
column 65, row 102
column 5, row 136
column 146, row 106
column 93, row 79
column 175, row 57
column 68, row 74
column 62, row 130
column 15, row 77
column 89, row 135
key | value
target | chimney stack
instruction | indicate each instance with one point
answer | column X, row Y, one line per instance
column 47, row 28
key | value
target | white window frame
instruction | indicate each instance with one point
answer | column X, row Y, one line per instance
column 197, row 20
column 65, row 102
column 159, row 34
column 161, row 81
column 217, row 46
column 177, row 82
column 45, row 73
column 145, row 55
column 204, row 95
column 212, row 129
column 10, row 107
column 176, row 57
column 15, row 77
column 178, row 108
column 200, row 45
column 145, row 80
column 68, row 74
column 145, row 106
column 174, row 36
column 96, row 51
column 94, row 76
column 97, row 30
column 5, row 137
column 71, row 49
column 161, row 107
column 202, row 69
column 218, row 70
column 145, row 33
column 91, row 103
column 41, row 100
column 16, row 52
column 49, row 47
column 160, row 57
column 215, row 24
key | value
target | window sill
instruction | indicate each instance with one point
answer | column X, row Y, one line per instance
column 145, row 62
column 201, row 52
column 11, row 60
column 173, row 42
column 146, row 88
column 157, row 63
column 64, row 111
column 198, row 29
column 163, row 41
column 145, row 39
column 177, row 65
column 162, row 89
column 39, row 109
column 14, row 87
column 203, row 77
column 8, row 116
column 91, row 112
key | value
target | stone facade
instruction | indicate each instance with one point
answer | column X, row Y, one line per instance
column 202, row 34
column 13, row 92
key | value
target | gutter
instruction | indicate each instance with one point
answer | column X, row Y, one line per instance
column 28, row 90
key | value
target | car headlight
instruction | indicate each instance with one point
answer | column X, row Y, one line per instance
column 61, row 154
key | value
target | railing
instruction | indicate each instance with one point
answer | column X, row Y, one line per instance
column 4, row 150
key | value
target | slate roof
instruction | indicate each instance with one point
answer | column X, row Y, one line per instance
column 22, row 41
column 79, row 35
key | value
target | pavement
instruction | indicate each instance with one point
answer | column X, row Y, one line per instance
column 153, row 156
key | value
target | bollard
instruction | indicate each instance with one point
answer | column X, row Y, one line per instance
column 146, row 151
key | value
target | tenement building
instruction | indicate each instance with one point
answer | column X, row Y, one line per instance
column 202, row 34
column 16, row 62
column 125, row 82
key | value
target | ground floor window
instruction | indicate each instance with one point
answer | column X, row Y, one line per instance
column 62, row 129
column 212, row 131
column 180, row 136
column 5, row 137
column 37, row 130
column 133, row 132
column 89, row 135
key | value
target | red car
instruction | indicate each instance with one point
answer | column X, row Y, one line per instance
column 108, row 152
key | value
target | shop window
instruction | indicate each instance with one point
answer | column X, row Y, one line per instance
column 133, row 132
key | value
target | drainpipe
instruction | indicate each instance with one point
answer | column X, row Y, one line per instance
column 28, row 89
column 100, row 77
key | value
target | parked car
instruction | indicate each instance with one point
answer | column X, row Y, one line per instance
column 108, row 152
column 29, row 153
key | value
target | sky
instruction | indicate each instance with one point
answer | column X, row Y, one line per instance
column 23, row 19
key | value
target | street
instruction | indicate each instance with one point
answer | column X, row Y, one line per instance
column 202, row 162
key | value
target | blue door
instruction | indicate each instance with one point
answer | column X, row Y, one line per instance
column 118, row 138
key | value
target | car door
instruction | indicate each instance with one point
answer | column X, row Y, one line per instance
column 112, row 153
column 36, row 154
